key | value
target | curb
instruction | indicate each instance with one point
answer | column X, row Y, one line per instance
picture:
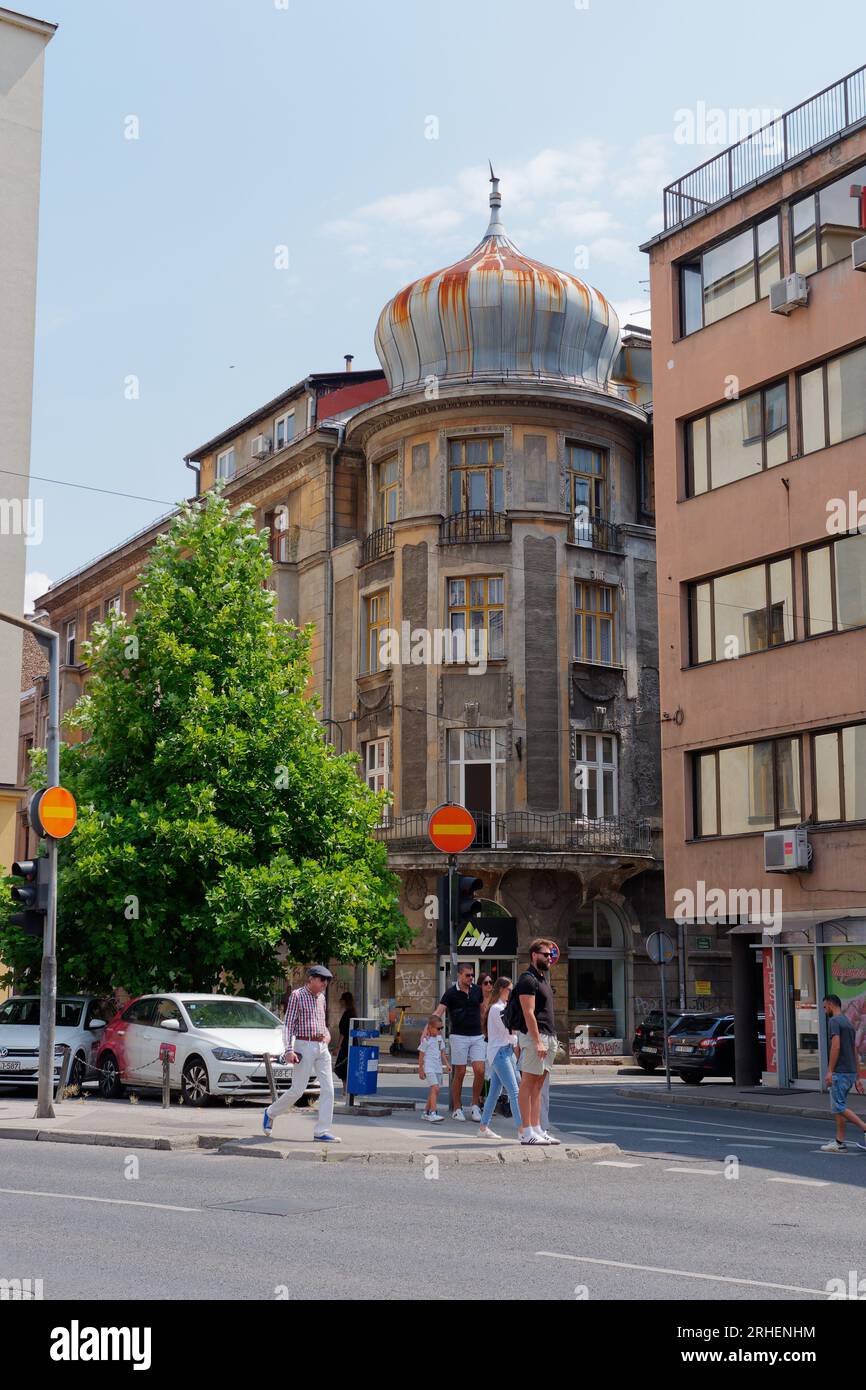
column 800, row 1112
column 110, row 1141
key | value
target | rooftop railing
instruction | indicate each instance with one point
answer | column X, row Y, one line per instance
column 788, row 137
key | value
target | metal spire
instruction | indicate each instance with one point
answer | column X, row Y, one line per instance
column 495, row 226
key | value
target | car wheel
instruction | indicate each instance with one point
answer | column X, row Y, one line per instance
column 194, row 1083
column 110, row 1085
column 77, row 1073
column 692, row 1078
column 647, row 1066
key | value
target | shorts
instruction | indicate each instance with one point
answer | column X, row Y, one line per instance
column 466, row 1049
column 842, row 1083
column 432, row 1078
column 530, row 1062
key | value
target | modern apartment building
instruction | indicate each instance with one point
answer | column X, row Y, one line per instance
column 759, row 357
column 22, row 46
column 471, row 531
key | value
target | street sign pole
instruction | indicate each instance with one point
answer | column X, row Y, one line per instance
column 660, row 949
column 452, row 913
column 665, row 1025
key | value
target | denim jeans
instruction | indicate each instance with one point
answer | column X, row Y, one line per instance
column 503, row 1076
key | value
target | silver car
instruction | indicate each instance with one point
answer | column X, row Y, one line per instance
column 79, row 1024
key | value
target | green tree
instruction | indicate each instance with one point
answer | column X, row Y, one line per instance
column 216, row 826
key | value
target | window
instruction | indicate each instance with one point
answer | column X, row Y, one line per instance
column 833, row 401
column 825, row 224
column 746, row 611
column 376, row 773
column 839, row 774
column 225, row 464
column 752, row 787
column 282, row 523
column 836, row 586
column 112, row 608
column 475, row 475
column 477, row 606
column 377, row 611
column 143, row 1011
column 729, row 276
column 595, row 630
column 737, row 440
column 595, row 776
column 476, row 779
column 387, row 493
column 70, row 644
column 587, row 480
column 284, row 429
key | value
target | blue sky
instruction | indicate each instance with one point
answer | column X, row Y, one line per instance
column 306, row 124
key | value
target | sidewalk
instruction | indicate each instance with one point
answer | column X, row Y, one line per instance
column 806, row 1105
column 400, row 1138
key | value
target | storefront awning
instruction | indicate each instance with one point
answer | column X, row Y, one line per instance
column 799, row 922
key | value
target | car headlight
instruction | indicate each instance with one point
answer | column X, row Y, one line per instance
column 233, row 1054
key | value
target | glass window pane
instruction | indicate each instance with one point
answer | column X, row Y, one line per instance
column 602, row 928
column 850, row 557
column 477, row 745
column 788, row 780
column 746, row 788
column 498, row 490
column 500, row 743
column 781, row 602
column 454, row 745
column 854, row 760
column 496, row 590
column 805, row 239
column 769, row 264
column 740, row 609
column 456, row 490
column 690, row 294
column 841, row 222
column 697, row 452
column 846, row 395
column 729, row 277
column 701, row 631
column 707, row 822
column 498, row 450
column 591, row 797
column 607, row 750
column 456, row 592
column 496, row 635
column 819, row 595
column 581, row 933
column 478, row 492
column 812, row 410
column 476, row 591
column 735, row 447
column 827, row 803
column 609, row 808
column 776, row 423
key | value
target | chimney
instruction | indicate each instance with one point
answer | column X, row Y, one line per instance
column 349, row 359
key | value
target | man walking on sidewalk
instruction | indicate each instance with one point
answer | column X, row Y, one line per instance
column 841, row 1073
column 536, row 1038
column 468, row 1046
column 307, row 1039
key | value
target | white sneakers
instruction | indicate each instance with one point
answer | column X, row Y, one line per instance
column 433, row 1118
column 458, row 1115
column 475, row 1114
column 537, row 1136
column 485, row 1132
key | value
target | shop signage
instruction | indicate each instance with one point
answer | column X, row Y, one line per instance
column 489, row 936
column 770, row 1010
column 704, row 943
column 703, row 987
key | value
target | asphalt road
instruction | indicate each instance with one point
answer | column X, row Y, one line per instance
column 662, row 1221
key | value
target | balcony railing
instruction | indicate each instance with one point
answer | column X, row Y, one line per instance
column 378, row 544
column 557, row 832
column 596, row 534
column 468, row 527
column 789, row 137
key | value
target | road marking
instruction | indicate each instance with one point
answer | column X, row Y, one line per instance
column 106, row 1201
column 801, row 1182
column 613, row 1163
column 711, row 1172
column 681, row 1273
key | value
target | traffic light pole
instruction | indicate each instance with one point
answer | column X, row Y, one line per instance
column 46, row 637
column 453, row 883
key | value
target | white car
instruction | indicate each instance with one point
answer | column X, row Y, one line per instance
column 216, row 1045
column 79, row 1025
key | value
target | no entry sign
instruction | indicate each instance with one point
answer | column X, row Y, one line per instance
column 451, row 829
column 53, row 812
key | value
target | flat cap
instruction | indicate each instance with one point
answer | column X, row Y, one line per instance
column 321, row 971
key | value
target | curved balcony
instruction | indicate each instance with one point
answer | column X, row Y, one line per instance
column 377, row 545
column 596, row 534
column 468, row 528
column 556, row 832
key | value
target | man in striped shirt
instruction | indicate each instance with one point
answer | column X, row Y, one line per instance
column 307, row 1039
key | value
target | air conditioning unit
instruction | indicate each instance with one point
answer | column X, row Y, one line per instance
column 858, row 253
column 787, row 851
column 789, row 294
column 260, row 447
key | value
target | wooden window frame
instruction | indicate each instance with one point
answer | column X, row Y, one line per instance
column 583, row 614
column 383, row 621
column 487, row 606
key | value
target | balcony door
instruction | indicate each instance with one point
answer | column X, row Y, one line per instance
column 476, row 779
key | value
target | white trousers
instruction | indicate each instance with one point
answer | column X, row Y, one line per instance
column 315, row 1057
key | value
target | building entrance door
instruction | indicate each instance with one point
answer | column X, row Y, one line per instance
column 802, row 1018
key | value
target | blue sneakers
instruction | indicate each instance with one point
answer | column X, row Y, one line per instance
column 326, row 1138
column 267, row 1122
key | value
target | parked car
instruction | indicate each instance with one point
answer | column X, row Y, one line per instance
column 648, row 1044
column 217, row 1046
column 707, row 1049
column 79, row 1025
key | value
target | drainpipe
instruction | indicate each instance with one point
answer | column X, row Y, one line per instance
column 197, row 471
column 328, row 682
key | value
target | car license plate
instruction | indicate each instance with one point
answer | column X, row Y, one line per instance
column 683, row 1049
column 280, row 1073
column 649, row 1049
column 10, row 1066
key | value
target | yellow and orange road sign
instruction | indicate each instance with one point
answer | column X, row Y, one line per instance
column 451, row 829
column 57, row 812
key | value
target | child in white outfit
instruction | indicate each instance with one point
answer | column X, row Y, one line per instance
column 432, row 1058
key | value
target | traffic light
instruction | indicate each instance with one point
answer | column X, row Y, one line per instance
column 468, row 906
column 31, row 896
column 443, row 934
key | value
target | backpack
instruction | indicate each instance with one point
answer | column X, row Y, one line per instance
column 512, row 1014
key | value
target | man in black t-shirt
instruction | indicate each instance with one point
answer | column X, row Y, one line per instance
column 467, row 1046
column 536, row 1038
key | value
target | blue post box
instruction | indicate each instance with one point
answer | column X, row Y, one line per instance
column 362, row 1074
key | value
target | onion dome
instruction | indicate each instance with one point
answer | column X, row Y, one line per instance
column 498, row 315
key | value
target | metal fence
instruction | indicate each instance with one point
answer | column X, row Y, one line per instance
column 596, row 534
column 377, row 544
column 790, row 136
column 556, row 832
column 471, row 526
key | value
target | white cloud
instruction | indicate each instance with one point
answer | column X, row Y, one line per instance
column 35, row 585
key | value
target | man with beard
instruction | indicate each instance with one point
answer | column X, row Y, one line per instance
column 536, row 1037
